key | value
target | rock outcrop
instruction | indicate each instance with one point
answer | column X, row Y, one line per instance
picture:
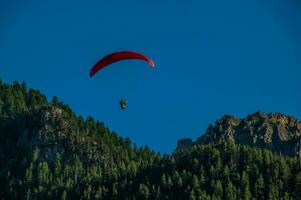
column 273, row 131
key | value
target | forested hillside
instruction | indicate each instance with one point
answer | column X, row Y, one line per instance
column 48, row 152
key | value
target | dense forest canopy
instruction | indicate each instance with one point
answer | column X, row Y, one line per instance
column 48, row 152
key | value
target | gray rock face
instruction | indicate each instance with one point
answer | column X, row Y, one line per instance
column 273, row 131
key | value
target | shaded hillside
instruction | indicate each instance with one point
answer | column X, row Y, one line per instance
column 273, row 131
column 45, row 147
column 47, row 152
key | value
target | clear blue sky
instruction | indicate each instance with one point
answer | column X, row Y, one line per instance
column 212, row 58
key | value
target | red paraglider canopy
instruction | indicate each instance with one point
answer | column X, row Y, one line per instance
column 117, row 56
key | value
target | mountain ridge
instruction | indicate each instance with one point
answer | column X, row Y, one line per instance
column 48, row 152
column 274, row 131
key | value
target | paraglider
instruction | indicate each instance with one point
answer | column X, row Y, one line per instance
column 123, row 103
column 116, row 57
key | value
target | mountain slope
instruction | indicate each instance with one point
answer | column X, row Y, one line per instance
column 44, row 145
column 47, row 152
column 274, row 131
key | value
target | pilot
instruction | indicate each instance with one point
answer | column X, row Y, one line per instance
column 123, row 103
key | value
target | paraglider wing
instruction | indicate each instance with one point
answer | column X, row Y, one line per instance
column 118, row 56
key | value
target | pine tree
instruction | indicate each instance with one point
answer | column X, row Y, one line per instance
column 246, row 195
column 218, row 189
column 169, row 183
column 259, row 188
column 273, row 192
column 298, row 185
column 64, row 195
column 286, row 196
column 143, row 192
column 163, row 180
column 229, row 191
column 192, row 195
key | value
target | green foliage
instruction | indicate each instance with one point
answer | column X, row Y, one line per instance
column 47, row 152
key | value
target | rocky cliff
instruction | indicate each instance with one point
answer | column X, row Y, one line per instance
column 273, row 131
